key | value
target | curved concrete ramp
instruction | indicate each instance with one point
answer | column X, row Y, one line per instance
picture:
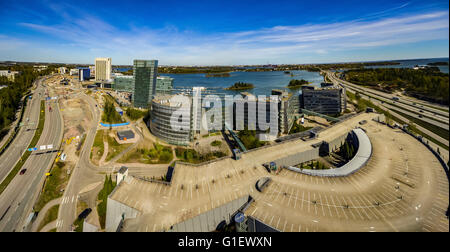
column 360, row 159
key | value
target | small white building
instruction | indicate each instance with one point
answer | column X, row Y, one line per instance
column 9, row 74
column 62, row 70
column 73, row 71
column 121, row 174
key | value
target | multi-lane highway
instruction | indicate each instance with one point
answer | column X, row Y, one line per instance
column 423, row 113
column 17, row 201
column 23, row 138
column 410, row 102
column 429, row 113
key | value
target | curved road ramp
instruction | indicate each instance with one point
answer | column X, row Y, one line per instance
column 360, row 159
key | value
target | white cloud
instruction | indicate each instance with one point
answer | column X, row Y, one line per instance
column 95, row 37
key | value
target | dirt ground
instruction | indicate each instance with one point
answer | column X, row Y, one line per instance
column 204, row 145
column 315, row 121
column 76, row 118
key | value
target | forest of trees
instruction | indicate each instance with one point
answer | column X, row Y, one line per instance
column 110, row 114
column 241, row 86
column 135, row 114
column 439, row 63
column 347, row 151
column 249, row 139
column 428, row 84
column 11, row 95
column 184, row 70
column 297, row 83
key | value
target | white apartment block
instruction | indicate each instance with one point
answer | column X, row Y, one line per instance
column 102, row 69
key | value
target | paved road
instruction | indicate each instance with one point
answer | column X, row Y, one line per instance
column 17, row 201
column 430, row 115
column 393, row 109
column 23, row 138
column 424, row 130
column 83, row 174
column 408, row 101
column 43, row 212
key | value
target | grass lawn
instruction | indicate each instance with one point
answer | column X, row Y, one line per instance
column 431, row 127
column 53, row 185
column 98, row 147
column 159, row 154
column 192, row 156
column 313, row 165
column 50, row 215
column 114, row 148
column 108, row 187
column 78, row 223
column 216, row 143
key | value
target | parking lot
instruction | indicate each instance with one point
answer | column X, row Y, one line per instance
column 402, row 188
column 379, row 197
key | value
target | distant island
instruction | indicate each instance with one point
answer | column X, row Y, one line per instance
column 217, row 75
column 441, row 63
column 240, row 86
column 297, row 83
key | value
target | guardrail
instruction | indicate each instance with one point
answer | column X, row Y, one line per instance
column 360, row 159
column 114, row 125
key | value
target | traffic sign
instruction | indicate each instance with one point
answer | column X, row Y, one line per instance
column 42, row 147
column 32, row 149
column 50, row 146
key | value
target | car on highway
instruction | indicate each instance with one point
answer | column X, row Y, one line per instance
column 23, row 171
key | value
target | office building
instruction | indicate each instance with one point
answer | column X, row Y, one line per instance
column 288, row 109
column 144, row 82
column 246, row 113
column 328, row 100
column 39, row 68
column 161, row 125
column 84, row 74
column 92, row 70
column 73, row 71
column 102, row 69
column 164, row 84
column 124, row 83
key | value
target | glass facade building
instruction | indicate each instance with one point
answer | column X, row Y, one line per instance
column 124, row 83
column 164, row 85
column 160, row 121
column 327, row 101
column 144, row 82
column 84, row 74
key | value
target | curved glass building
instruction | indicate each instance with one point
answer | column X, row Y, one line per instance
column 174, row 131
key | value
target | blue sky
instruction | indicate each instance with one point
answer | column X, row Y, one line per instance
column 223, row 32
